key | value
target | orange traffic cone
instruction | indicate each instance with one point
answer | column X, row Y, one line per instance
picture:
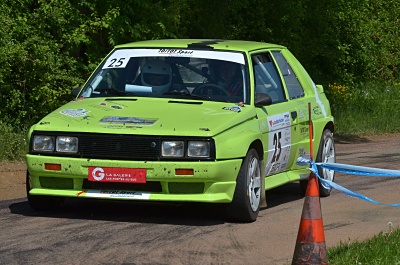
column 310, row 245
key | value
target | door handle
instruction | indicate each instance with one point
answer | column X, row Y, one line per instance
column 293, row 114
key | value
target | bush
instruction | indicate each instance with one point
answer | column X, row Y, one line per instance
column 12, row 144
column 48, row 48
column 365, row 109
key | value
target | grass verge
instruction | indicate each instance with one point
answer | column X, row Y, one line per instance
column 365, row 110
column 382, row 249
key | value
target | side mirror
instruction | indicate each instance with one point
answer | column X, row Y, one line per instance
column 261, row 99
column 75, row 92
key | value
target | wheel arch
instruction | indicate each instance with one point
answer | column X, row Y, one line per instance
column 318, row 130
column 330, row 126
column 258, row 146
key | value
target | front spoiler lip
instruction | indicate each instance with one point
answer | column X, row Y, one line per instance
column 224, row 196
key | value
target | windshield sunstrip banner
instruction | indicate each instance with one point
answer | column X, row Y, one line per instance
column 119, row 58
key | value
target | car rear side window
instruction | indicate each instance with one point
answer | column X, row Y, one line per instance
column 293, row 86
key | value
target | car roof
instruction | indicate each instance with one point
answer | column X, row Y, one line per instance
column 203, row 44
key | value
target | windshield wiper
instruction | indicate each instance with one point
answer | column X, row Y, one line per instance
column 115, row 92
column 186, row 94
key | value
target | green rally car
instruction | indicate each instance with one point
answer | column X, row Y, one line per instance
column 216, row 121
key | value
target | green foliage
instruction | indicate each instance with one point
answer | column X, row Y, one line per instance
column 363, row 109
column 224, row 19
column 50, row 47
column 12, row 144
column 367, row 40
column 34, row 78
column 338, row 41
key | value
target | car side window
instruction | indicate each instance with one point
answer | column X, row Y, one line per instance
column 293, row 85
column 266, row 77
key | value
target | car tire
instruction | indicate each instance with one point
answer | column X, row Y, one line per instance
column 40, row 202
column 245, row 205
column 326, row 154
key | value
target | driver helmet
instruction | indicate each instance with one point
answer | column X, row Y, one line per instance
column 158, row 75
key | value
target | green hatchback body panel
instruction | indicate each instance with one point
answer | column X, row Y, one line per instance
column 279, row 132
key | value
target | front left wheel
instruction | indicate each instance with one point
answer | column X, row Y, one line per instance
column 245, row 205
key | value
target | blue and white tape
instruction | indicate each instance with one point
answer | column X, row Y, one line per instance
column 353, row 170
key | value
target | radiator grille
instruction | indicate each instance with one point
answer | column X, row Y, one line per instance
column 122, row 147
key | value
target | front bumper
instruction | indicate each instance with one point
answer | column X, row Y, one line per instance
column 212, row 182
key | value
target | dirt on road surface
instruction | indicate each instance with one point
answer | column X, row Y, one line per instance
column 104, row 232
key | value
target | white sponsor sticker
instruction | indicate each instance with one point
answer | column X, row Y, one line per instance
column 319, row 102
column 279, row 143
column 75, row 112
column 118, row 194
column 279, row 121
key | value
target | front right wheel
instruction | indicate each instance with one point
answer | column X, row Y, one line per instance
column 245, row 205
column 326, row 154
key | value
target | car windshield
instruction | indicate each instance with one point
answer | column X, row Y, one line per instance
column 172, row 73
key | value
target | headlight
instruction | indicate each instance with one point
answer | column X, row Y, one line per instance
column 172, row 148
column 43, row 143
column 67, row 144
column 198, row 149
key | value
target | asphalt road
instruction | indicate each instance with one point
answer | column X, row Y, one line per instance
column 104, row 232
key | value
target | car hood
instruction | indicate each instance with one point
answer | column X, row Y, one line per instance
column 146, row 116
